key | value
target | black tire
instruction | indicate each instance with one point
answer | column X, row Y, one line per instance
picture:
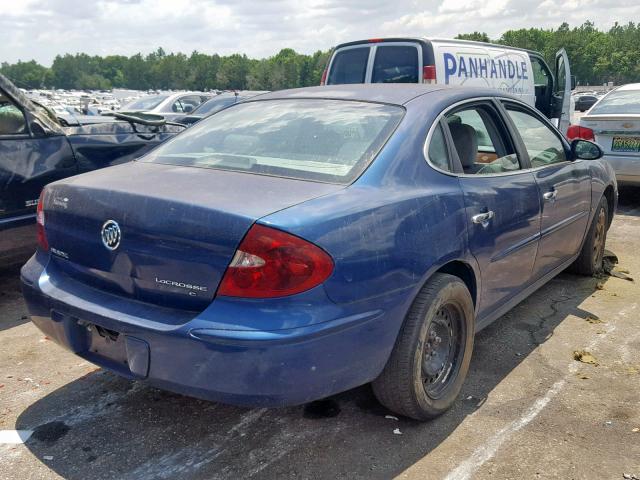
column 410, row 384
column 589, row 262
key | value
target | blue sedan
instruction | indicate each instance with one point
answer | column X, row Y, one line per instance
column 309, row 241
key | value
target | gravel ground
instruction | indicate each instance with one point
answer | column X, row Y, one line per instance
column 527, row 410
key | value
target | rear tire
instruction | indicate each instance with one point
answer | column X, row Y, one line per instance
column 589, row 262
column 431, row 357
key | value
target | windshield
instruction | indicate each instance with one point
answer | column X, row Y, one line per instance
column 145, row 103
column 621, row 101
column 322, row 140
column 216, row 104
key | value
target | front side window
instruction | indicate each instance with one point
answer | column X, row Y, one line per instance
column 12, row 121
column 186, row 104
column 395, row 64
column 481, row 147
column 542, row 143
column 322, row 140
column 349, row 66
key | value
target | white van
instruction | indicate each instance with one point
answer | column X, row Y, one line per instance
column 520, row 72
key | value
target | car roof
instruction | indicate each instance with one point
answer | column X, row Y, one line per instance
column 433, row 39
column 393, row 93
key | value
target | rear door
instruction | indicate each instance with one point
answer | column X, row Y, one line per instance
column 564, row 187
column 501, row 201
column 561, row 101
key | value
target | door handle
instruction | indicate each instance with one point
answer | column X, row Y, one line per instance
column 551, row 196
column 483, row 218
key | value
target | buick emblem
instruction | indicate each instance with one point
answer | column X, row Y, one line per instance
column 111, row 234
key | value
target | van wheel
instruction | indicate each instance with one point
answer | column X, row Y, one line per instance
column 589, row 262
column 431, row 357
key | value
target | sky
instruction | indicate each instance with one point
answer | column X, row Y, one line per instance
column 42, row 29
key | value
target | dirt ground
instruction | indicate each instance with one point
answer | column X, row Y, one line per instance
column 527, row 410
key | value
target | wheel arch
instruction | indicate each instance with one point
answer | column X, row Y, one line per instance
column 464, row 272
column 610, row 196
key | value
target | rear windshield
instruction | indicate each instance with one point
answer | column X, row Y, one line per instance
column 309, row 139
column 395, row 64
column 623, row 101
column 145, row 103
column 216, row 104
column 349, row 66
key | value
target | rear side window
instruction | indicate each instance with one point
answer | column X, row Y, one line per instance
column 322, row 140
column 438, row 150
column 395, row 64
column 480, row 144
column 349, row 66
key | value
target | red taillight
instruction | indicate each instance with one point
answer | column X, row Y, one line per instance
column 271, row 263
column 429, row 74
column 576, row 131
column 323, row 80
column 374, row 40
column 42, row 236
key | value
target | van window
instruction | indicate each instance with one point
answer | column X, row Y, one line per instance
column 395, row 64
column 349, row 66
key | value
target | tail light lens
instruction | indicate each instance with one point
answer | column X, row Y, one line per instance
column 429, row 74
column 323, row 80
column 576, row 131
column 271, row 263
column 42, row 236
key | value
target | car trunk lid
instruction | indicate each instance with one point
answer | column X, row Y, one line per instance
column 616, row 134
column 179, row 227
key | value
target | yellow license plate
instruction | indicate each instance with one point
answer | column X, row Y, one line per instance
column 625, row 144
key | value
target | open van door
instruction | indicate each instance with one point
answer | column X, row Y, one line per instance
column 562, row 91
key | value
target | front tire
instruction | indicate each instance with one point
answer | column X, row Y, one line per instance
column 431, row 357
column 589, row 262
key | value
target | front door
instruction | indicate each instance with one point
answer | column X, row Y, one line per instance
column 564, row 188
column 561, row 101
column 501, row 202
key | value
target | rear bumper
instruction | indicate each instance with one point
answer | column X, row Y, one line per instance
column 626, row 167
column 245, row 367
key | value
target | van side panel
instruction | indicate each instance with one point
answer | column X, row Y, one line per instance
column 485, row 66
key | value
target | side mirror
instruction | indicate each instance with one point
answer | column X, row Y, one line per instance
column 585, row 150
column 573, row 82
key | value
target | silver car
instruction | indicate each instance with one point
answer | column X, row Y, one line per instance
column 614, row 123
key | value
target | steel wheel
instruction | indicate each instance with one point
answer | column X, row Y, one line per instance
column 599, row 240
column 443, row 350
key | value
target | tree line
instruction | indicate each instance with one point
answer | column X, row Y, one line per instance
column 596, row 57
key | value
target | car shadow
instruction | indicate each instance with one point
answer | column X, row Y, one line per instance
column 629, row 201
column 102, row 426
column 11, row 303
